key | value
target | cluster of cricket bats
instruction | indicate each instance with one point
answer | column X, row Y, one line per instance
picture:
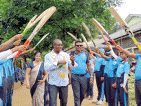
column 104, row 32
column 42, row 19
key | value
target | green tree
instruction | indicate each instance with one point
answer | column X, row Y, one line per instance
column 67, row 18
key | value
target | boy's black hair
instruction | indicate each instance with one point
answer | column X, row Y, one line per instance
column 78, row 41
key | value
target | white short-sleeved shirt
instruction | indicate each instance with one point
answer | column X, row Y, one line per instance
column 49, row 65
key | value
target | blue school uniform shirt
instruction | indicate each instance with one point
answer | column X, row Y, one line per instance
column 1, row 69
column 138, row 67
column 123, row 67
column 104, row 62
column 1, row 74
column 81, row 60
column 98, row 63
column 111, row 65
column 9, row 67
column 6, row 69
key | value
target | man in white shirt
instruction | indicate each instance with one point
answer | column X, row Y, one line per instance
column 56, row 63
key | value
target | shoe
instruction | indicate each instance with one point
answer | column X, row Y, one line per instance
column 95, row 101
column 99, row 102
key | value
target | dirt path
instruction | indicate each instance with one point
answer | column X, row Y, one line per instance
column 21, row 97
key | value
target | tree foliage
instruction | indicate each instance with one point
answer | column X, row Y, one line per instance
column 67, row 18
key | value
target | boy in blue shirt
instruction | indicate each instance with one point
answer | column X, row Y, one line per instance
column 99, row 69
column 137, row 73
column 121, row 81
column 98, row 75
column 92, row 60
column 110, row 67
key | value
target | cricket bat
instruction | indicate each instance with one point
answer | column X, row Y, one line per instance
column 124, row 25
column 41, row 40
column 72, row 36
column 29, row 23
column 88, row 32
column 38, row 27
column 27, row 28
column 102, row 35
column 33, row 21
column 85, row 40
column 104, row 31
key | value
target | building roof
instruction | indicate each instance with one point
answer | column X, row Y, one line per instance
column 121, row 33
column 129, row 17
column 136, row 27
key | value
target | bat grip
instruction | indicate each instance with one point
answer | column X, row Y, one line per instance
column 109, row 46
column 116, row 45
column 91, row 52
column 135, row 41
column 93, row 43
column 139, row 48
column 27, row 42
column 24, row 32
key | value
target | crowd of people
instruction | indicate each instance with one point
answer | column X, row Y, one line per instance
column 61, row 69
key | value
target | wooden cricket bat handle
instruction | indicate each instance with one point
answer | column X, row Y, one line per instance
column 27, row 42
column 116, row 45
column 108, row 46
column 91, row 52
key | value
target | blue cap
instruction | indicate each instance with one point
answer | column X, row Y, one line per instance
column 102, row 50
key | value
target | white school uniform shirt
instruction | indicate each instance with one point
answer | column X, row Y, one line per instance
column 92, row 62
column 50, row 66
column 4, row 54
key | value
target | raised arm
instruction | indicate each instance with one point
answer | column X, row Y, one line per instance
column 30, row 50
column 97, row 54
column 101, row 53
column 127, row 52
column 6, row 44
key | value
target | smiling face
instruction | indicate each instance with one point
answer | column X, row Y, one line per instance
column 78, row 46
column 57, row 44
column 38, row 57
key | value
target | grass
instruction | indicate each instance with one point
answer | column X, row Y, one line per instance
column 131, row 90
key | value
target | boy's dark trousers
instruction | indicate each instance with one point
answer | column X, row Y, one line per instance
column 122, row 97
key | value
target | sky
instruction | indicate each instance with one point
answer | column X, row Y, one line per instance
column 129, row 7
